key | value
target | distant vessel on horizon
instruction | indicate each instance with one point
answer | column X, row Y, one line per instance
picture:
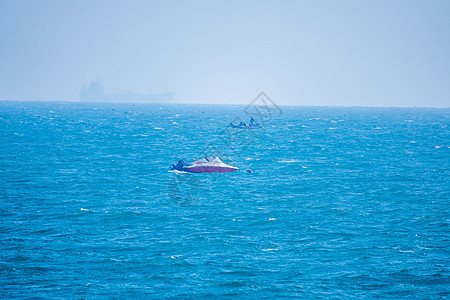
column 95, row 93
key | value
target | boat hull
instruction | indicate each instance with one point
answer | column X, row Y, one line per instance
column 210, row 169
column 211, row 164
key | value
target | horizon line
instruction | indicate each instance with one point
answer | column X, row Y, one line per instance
column 201, row 103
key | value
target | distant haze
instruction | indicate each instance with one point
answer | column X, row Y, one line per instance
column 365, row 53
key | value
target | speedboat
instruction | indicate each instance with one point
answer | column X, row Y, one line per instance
column 210, row 164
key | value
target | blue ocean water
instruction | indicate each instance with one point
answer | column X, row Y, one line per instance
column 342, row 202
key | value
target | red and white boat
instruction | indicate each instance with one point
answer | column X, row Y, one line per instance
column 210, row 164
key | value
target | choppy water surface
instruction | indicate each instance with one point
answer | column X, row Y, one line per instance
column 343, row 202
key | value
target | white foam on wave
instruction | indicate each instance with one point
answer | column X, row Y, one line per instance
column 289, row 161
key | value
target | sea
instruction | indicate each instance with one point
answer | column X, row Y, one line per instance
column 341, row 202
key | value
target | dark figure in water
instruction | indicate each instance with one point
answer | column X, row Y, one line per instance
column 253, row 123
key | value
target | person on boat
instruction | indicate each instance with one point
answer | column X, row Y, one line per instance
column 253, row 123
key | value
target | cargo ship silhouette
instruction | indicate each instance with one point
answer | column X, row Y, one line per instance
column 95, row 92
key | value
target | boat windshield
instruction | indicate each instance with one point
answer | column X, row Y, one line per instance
column 208, row 159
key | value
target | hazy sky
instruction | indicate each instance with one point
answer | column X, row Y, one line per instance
column 371, row 53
